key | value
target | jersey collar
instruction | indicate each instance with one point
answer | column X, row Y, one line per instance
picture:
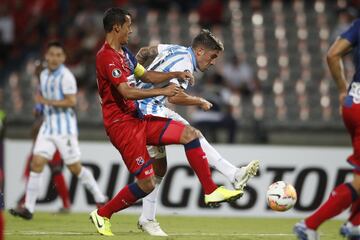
column 193, row 58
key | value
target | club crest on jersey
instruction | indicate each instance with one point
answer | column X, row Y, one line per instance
column 140, row 161
column 116, row 73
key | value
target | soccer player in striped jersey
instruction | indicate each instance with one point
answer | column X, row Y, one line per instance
column 200, row 56
column 130, row 131
column 58, row 130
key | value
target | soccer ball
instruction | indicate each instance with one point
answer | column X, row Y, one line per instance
column 281, row 196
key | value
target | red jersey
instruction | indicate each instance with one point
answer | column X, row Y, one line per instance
column 113, row 68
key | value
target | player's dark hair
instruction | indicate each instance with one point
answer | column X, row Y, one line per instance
column 206, row 39
column 55, row 43
column 114, row 16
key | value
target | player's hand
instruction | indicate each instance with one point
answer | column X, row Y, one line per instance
column 186, row 76
column 342, row 96
column 40, row 99
column 171, row 90
column 205, row 105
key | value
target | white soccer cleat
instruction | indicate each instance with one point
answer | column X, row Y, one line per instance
column 152, row 227
column 350, row 231
column 243, row 174
column 302, row 232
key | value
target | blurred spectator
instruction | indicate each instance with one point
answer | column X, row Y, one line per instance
column 220, row 115
column 344, row 19
column 239, row 75
column 210, row 12
column 7, row 26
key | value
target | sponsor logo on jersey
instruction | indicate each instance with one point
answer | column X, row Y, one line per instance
column 140, row 161
column 116, row 73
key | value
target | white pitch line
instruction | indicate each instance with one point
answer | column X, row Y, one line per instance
column 32, row 233
column 233, row 234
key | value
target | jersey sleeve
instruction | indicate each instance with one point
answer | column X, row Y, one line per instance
column 352, row 33
column 184, row 65
column 113, row 70
column 163, row 47
column 69, row 84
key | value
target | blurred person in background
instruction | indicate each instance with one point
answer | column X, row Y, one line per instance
column 345, row 194
column 201, row 55
column 2, row 178
column 58, row 130
column 222, row 113
column 239, row 76
column 55, row 165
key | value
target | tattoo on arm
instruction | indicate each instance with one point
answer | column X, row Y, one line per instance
column 146, row 55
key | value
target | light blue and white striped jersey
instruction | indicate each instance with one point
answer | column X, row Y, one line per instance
column 170, row 58
column 54, row 85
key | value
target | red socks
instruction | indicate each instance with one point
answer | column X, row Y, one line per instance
column 124, row 199
column 340, row 199
column 200, row 165
column 61, row 189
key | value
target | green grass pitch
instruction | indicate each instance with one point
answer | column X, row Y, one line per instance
column 77, row 226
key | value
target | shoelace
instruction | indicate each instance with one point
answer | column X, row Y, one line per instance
column 155, row 225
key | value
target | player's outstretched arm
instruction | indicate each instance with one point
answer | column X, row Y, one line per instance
column 68, row 101
column 159, row 77
column 334, row 59
column 182, row 98
column 132, row 93
column 146, row 55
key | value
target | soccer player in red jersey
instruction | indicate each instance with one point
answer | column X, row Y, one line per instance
column 345, row 194
column 130, row 131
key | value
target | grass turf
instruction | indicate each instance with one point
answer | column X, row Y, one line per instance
column 77, row 226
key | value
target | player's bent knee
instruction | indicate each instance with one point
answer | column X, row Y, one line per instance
column 147, row 184
column 160, row 167
column 75, row 168
column 188, row 135
column 38, row 163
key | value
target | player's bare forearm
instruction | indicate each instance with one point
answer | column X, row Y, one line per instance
column 68, row 101
column 146, row 55
column 334, row 59
column 159, row 77
column 183, row 98
column 132, row 93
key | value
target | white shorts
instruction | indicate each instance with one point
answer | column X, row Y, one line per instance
column 157, row 152
column 68, row 146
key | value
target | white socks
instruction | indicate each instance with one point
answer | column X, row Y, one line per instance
column 217, row 161
column 149, row 203
column 87, row 179
column 32, row 190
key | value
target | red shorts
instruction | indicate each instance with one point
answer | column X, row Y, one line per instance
column 131, row 137
column 351, row 117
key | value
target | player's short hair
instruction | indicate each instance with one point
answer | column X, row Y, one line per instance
column 114, row 16
column 206, row 39
column 55, row 43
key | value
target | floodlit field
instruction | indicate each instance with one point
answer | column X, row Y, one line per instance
column 77, row 226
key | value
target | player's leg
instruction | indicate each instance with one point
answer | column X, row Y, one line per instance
column 56, row 165
column 68, row 147
column 237, row 176
column 344, row 194
column 162, row 131
column 87, row 179
column 351, row 229
column 129, row 139
column 147, row 221
column 43, row 151
column 21, row 200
